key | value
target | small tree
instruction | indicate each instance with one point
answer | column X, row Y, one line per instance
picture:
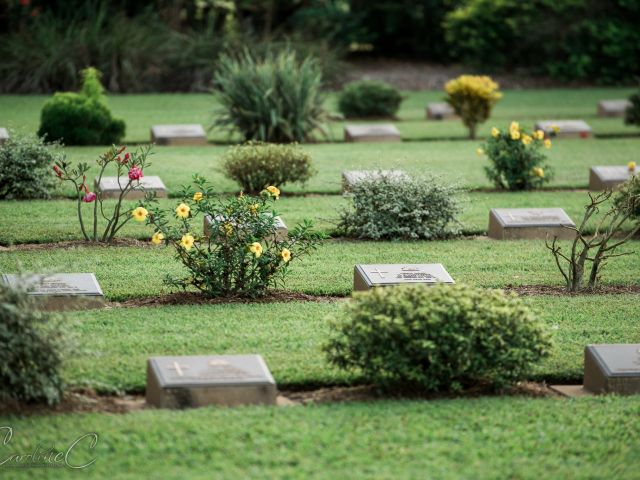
column 599, row 247
column 472, row 98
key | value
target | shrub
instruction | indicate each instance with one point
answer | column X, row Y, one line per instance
column 632, row 113
column 472, row 98
column 627, row 192
column 391, row 206
column 369, row 99
column 25, row 167
column 243, row 256
column 516, row 157
column 275, row 99
column 256, row 165
column 129, row 166
column 443, row 337
column 81, row 118
column 32, row 347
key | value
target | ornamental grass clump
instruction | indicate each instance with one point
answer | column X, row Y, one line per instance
column 517, row 158
column 242, row 256
column 439, row 338
column 472, row 98
column 104, row 222
column 369, row 99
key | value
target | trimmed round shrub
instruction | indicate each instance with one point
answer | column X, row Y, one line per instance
column 392, row 205
column 255, row 166
column 81, row 118
column 440, row 338
column 369, row 99
column 274, row 99
column 32, row 346
column 25, row 167
column 472, row 97
column 632, row 113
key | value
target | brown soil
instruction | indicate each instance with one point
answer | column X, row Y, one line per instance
column 534, row 290
column 70, row 244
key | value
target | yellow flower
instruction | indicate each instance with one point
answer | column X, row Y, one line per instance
column 555, row 128
column 515, row 134
column 479, row 152
column 187, row 241
column 197, row 196
column 495, row 132
column 227, row 228
column 539, row 134
column 253, row 208
column 514, row 127
column 183, row 210
column 157, row 238
column 538, row 172
column 286, row 254
column 273, row 191
column 139, row 214
column 526, row 139
column 256, row 249
column 631, row 166
column 547, row 143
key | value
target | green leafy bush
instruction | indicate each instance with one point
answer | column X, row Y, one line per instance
column 517, row 161
column 632, row 113
column 255, row 166
column 32, row 348
column 444, row 337
column 25, row 167
column 242, row 256
column 472, row 97
column 392, row 206
column 274, row 99
column 628, row 195
column 369, row 99
column 81, row 118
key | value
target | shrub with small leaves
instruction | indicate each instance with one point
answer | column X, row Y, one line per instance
column 387, row 206
column 517, row 158
column 255, row 166
column 25, row 167
column 440, row 338
column 33, row 345
column 632, row 113
column 369, row 98
column 472, row 98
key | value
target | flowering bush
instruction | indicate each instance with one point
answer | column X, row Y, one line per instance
column 129, row 166
column 517, row 159
column 242, row 256
column 472, row 98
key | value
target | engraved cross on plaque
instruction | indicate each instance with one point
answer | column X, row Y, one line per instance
column 377, row 270
column 178, row 368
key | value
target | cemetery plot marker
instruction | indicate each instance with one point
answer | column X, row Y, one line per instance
column 612, row 108
column 603, row 178
column 351, row 177
column 529, row 223
column 565, row 128
column 369, row 276
column 109, row 187
column 178, row 135
column 62, row 291
column 4, row 135
column 440, row 111
column 198, row 381
column 281, row 234
column 371, row 133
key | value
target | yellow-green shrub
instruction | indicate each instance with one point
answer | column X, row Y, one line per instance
column 472, row 97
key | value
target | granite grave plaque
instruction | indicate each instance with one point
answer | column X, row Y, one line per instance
column 603, row 178
column 198, row 381
column 351, row 177
column 375, row 132
column 282, row 232
column 62, row 291
column 369, row 276
column 110, row 187
column 178, row 135
column 440, row 111
column 529, row 223
column 564, row 128
column 4, row 135
column 612, row 108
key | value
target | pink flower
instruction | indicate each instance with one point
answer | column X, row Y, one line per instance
column 135, row 173
column 89, row 197
column 126, row 157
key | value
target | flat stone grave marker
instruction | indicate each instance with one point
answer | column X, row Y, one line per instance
column 198, row 381
column 384, row 275
column 109, row 188
column 440, row 111
column 612, row 108
column 603, row 178
column 188, row 134
column 4, row 135
column 566, row 128
column 380, row 132
column 282, row 232
column 528, row 223
column 351, row 177
column 608, row 368
column 62, row 291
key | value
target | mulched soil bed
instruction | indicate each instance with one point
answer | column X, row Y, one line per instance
column 118, row 242
column 556, row 291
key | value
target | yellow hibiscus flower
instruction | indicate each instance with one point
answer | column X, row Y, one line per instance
column 539, row 134
column 286, row 254
column 187, row 241
column 631, row 166
column 197, row 196
column 515, row 126
column 515, row 134
column 183, row 210
column 526, row 139
column 479, row 152
column 495, row 132
column 273, row 191
column 256, row 249
column 157, row 238
column 139, row 214
column 555, row 128
column 538, row 172
column 547, row 143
